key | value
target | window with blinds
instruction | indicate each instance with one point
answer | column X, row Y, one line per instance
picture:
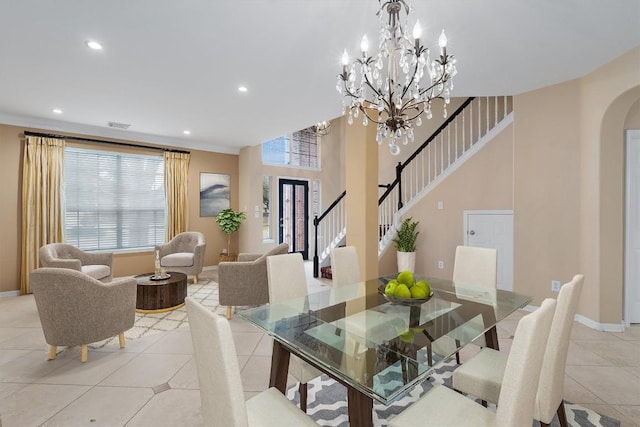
column 113, row 200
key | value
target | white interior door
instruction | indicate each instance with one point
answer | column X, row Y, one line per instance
column 632, row 229
column 493, row 229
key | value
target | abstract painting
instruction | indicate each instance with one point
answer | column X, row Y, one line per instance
column 214, row 193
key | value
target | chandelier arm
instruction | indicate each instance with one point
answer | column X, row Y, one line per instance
column 364, row 111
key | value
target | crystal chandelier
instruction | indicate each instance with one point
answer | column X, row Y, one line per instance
column 322, row 128
column 389, row 89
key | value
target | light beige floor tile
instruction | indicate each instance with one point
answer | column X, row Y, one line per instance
column 610, row 384
column 246, row 342
column 249, row 394
column 26, row 319
column 102, row 406
column 633, row 370
column 576, row 393
column 97, row 368
column 31, row 367
column 36, row 403
column 10, row 333
column 184, row 410
column 264, row 347
column 621, row 353
column 255, row 374
column 631, row 333
column 173, row 342
column 581, row 356
column 8, row 355
column 147, row 370
column 7, row 389
column 19, row 303
column 242, row 361
column 580, row 332
column 238, row 324
column 133, row 346
column 186, row 378
column 631, row 412
column 28, row 339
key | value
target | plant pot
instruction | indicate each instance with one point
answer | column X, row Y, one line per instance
column 406, row 261
column 227, row 257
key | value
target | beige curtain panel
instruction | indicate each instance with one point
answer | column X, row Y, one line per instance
column 42, row 177
column 176, row 171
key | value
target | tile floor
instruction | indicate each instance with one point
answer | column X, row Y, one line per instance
column 153, row 381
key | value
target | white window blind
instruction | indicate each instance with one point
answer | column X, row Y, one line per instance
column 113, row 200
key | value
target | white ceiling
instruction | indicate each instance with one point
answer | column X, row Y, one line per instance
column 171, row 65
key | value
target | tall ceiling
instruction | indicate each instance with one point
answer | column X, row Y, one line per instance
column 170, row 65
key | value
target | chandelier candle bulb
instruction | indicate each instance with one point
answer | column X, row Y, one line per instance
column 417, row 32
column 442, row 42
column 364, row 45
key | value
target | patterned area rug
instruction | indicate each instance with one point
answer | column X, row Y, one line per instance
column 327, row 403
column 205, row 292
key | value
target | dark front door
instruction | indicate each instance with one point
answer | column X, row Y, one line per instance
column 294, row 215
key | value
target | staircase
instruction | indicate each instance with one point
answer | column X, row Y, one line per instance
column 463, row 134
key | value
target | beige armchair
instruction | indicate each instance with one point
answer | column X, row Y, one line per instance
column 245, row 282
column 184, row 254
column 98, row 265
column 76, row 309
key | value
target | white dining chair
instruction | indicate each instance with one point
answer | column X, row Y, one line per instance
column 477, row 267
column 222, row 399
column 482, row 376
column 345, row 266
column 442, row 406
column 287, row 280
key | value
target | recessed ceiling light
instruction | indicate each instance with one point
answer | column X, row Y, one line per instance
column 187, row 132
column 242, row 89
column 56, row 111
column 94, row 45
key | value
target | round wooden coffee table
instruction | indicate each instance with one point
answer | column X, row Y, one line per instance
column 157, row 296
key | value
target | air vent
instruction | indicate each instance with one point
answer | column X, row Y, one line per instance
column 119, row 125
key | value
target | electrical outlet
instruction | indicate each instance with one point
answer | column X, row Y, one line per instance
column 440, row 205
column 555, row 285
column 441, row 265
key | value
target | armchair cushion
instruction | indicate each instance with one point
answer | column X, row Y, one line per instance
column 98, row 265
column 180, row 259
column 184, row 253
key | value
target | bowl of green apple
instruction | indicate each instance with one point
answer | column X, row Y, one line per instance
column 405, row 290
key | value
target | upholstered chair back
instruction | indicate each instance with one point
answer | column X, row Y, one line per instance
column 520, row 382
column 476, row 266
column 345, row 266
column 551, row 386
column 223, row 402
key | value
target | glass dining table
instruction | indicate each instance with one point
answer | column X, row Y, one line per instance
column 377, row 348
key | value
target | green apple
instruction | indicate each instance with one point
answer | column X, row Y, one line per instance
column 418, row 292
column 402, row 291
column 406, row 277
column 424, row 285
column 390, row 289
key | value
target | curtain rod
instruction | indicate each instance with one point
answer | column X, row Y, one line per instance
column 101, row 141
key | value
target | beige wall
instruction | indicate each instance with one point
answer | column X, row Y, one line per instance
column 125, row 263
column 331, row 176
column 482, row 182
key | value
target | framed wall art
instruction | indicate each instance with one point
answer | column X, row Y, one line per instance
column 214, row 193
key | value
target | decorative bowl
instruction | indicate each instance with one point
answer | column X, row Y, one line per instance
column 157, row 278
column 403, row 301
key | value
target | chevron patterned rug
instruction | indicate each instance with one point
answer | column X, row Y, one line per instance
column 205, row 292
column 327, row 403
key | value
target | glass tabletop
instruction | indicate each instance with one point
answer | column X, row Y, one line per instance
column 378, row 347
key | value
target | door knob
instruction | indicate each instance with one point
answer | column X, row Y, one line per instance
column 472, row 232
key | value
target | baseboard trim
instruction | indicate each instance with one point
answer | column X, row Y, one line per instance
column 7, row 294
column 590, row 323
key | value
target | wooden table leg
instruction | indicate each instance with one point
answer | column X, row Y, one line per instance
column 360, row 408
column 279, row 367
column 491, row 337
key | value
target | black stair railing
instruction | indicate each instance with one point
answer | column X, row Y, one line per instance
column 389, row 187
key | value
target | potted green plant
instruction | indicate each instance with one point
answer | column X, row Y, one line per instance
column 229, row 221
column 405, row 242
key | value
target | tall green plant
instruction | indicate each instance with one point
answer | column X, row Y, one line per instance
column 229, row 221
column 406, row 238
